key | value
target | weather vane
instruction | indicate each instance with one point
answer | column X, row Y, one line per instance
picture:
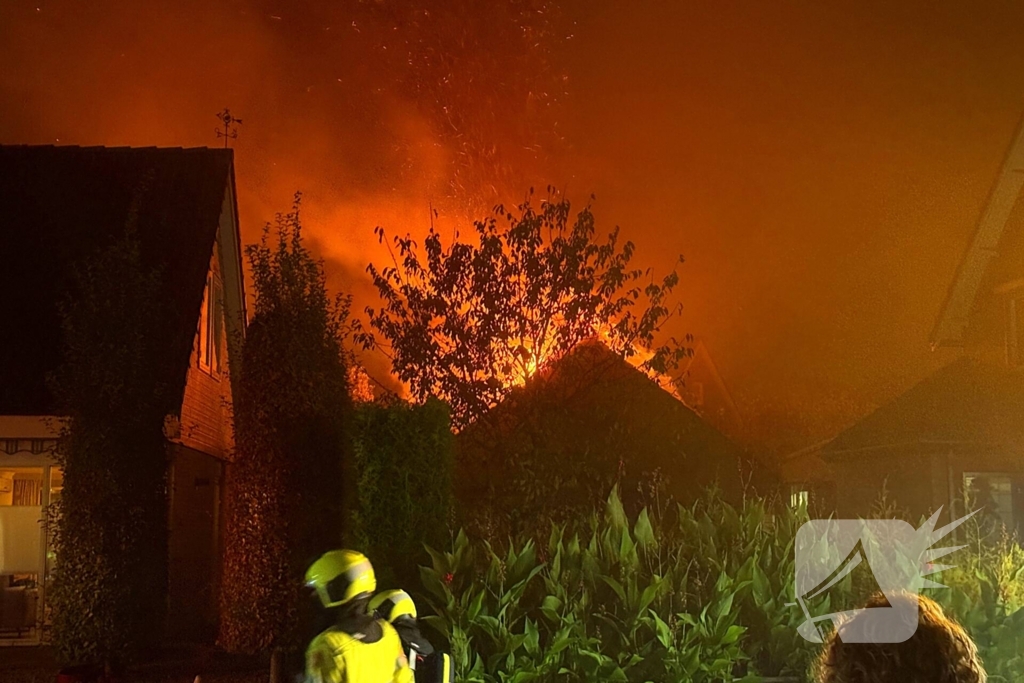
column 231, row 124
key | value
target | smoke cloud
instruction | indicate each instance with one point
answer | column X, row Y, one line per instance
column 820, row 165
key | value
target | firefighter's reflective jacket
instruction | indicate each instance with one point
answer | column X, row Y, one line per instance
column 336, row 656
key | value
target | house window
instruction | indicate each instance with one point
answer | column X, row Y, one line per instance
column 22, row 556
column 211, row 327
column 217, row 327
column 698, row 394
column 992, row 494
column 799, row 498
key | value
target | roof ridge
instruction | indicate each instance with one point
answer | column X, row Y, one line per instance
column 114, row 148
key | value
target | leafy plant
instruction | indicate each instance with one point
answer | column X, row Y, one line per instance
column 109, row 531
column 700, row 593
column 609, row 600
column 286, row 491
column 986, row 594
column 403, row 461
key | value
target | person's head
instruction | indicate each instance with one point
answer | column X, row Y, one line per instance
column 343, row 581
column 940, row 651
column 393, row 606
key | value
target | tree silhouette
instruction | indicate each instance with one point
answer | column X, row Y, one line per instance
column 285, row 486
column 469, row 320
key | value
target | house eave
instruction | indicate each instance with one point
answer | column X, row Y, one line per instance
column 29, row 426
column 983, row 247
column 842, row 453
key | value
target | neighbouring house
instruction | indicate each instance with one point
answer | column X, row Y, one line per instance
column 808, row 480
column 585, row 422
column 57, row 206
column 959, row 432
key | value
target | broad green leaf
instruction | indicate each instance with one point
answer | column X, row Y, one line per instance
column 476, row 605
column 614, row 511
column 615, row 586
column 733, row 634
column 643, row 531
column 661, row 629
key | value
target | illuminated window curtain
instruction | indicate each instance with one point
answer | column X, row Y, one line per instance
column 204, row 328
column 216, row 310
column 28, row 492
column 20, row 540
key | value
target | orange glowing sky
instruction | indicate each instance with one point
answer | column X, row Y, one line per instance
column 820, row 164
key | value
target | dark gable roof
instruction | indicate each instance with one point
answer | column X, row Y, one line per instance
column 593, row 396
column 60, row 204
column 965, row 403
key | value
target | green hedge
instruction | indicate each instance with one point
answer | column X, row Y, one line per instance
column 109, row 530
column 403, row 460
column 697, row 594
column 285, row 486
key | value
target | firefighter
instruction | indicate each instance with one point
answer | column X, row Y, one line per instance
column 398, row 609
column 358, row 647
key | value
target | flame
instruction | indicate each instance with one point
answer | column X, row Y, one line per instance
column 535, row 362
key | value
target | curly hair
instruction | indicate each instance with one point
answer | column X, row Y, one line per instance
column 940, row 651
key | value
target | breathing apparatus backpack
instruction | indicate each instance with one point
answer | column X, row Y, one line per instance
column 433, row 668
column 428, row 665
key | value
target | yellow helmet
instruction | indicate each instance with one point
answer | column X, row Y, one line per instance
column 340, row 576
column 390, row 605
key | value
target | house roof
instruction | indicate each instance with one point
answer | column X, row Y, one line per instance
column 805, row 465
column 984, row 247
column 702, row 358
column 965, row 403
column 592, row 397
column 60, row 204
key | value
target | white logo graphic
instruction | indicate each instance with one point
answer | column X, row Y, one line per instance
column 893, row 552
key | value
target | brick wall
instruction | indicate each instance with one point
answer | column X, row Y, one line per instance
column 206, row 408
column 205, row 414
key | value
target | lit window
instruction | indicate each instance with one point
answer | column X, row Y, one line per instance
column 204, row 327
column 216, row 326
column 799, row 498
column 211, row 326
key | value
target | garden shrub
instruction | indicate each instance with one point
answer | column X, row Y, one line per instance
column 700, row 593
column 285, row 487
column 109, row 530
column 403, row 460
column 986, row 594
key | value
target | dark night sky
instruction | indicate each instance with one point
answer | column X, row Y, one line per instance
column 820, row 164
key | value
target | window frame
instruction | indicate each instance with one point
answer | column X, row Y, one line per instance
column 203, row 334
column 1009, row 516
column 210, row 334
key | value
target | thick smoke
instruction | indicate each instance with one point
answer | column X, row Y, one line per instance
column 821, row 165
